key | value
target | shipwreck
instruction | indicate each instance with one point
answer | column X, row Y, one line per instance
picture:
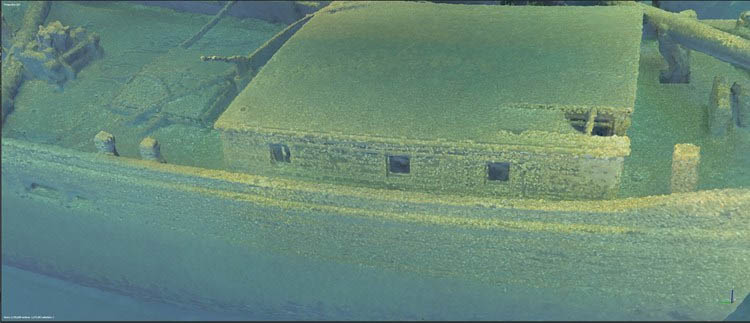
column 459, row 158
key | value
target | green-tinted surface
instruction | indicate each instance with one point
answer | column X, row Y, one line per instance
column 669, row 114
column 201, row 237
column 353, row 252
column 136, row 40
column 443, row 71
column 665, row 114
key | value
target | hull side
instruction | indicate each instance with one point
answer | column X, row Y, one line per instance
column 273, row 247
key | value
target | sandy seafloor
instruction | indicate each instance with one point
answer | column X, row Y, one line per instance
column 132, row 36
column 30, row 294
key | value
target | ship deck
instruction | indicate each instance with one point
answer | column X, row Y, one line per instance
column 664, row 114
column 440, row 71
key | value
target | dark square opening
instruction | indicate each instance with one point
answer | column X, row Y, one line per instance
column 577, row 121
column 602, row 130
column 498, row 171
column 398, row 164
column 280, row 153
column 603, row 126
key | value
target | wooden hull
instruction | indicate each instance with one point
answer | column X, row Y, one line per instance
column 278, row 248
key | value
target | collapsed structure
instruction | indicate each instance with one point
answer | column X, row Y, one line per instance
column 480, row 100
